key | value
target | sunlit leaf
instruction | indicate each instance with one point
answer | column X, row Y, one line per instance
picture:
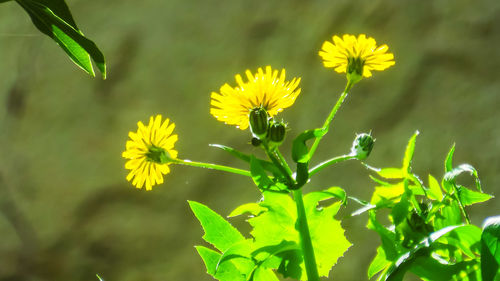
column 469, row 197
column 434, row 191
column 218, row 232
column 490, row 248
column 226, row 272
column 391, row 173
column 52, row 17
column 410, row 148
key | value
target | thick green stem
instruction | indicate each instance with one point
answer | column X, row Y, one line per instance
column 329, row 162
column 305, row 238
column 213, row 166
column 330, row 117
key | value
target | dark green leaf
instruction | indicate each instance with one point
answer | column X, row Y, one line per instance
column 54, row 19
column 218, row 232
column 300, row 151
column 490, row 248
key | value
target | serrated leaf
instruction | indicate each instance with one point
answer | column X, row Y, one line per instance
column 218, row 232
column 490, row 248
column 300, row 151
column 54, row 19
column 226, row 272
column 469, row 197
column 410, row 148
column 434, row 191
column 278, row 224
column 328, row 239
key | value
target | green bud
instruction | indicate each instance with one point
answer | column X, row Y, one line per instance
column 259, row 121
column 277, row 132
column 362, row 146
column 256, row 142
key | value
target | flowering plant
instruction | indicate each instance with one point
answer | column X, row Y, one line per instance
column 297, row 235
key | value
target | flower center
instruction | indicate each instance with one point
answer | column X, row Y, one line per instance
column 158, row 155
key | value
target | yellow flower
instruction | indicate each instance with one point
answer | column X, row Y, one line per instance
column 356, row 56
column 264, row 89
column 149, row 152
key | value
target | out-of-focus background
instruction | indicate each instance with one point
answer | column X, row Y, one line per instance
column 66, row 210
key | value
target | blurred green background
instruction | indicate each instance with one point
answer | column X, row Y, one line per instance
column 67, row 211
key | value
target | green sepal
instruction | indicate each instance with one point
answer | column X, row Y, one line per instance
column 54, row 19
column 300, row 151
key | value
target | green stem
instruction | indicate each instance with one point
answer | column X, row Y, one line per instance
column 213, row 166
column 283, row 161
column 278, row 164
column 329, row 162
column 331, row 116
column 460, row 204
column 305, row 238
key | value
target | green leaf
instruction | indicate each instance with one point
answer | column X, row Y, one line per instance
column 300, row 151
column 218, row 232
column 490, row 248
column 405, row 260
column 260, row 177
column 53, row 18
column 226, row 272
column 410, row 148
column 328, row 239
column 434, row 191
column 240, row 255
column 449, row 215
column 379, row 263
column 277, row 225
column 264, row 274
column 451, row 175
column 387, row 236
column 253, row 209
column 387, row 195
column 391, row 173
column 448, row 163
column 469, row 197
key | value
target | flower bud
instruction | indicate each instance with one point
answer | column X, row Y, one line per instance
column 362, row 146
column 259, row 121
column 277, row 132
column 256, row 142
